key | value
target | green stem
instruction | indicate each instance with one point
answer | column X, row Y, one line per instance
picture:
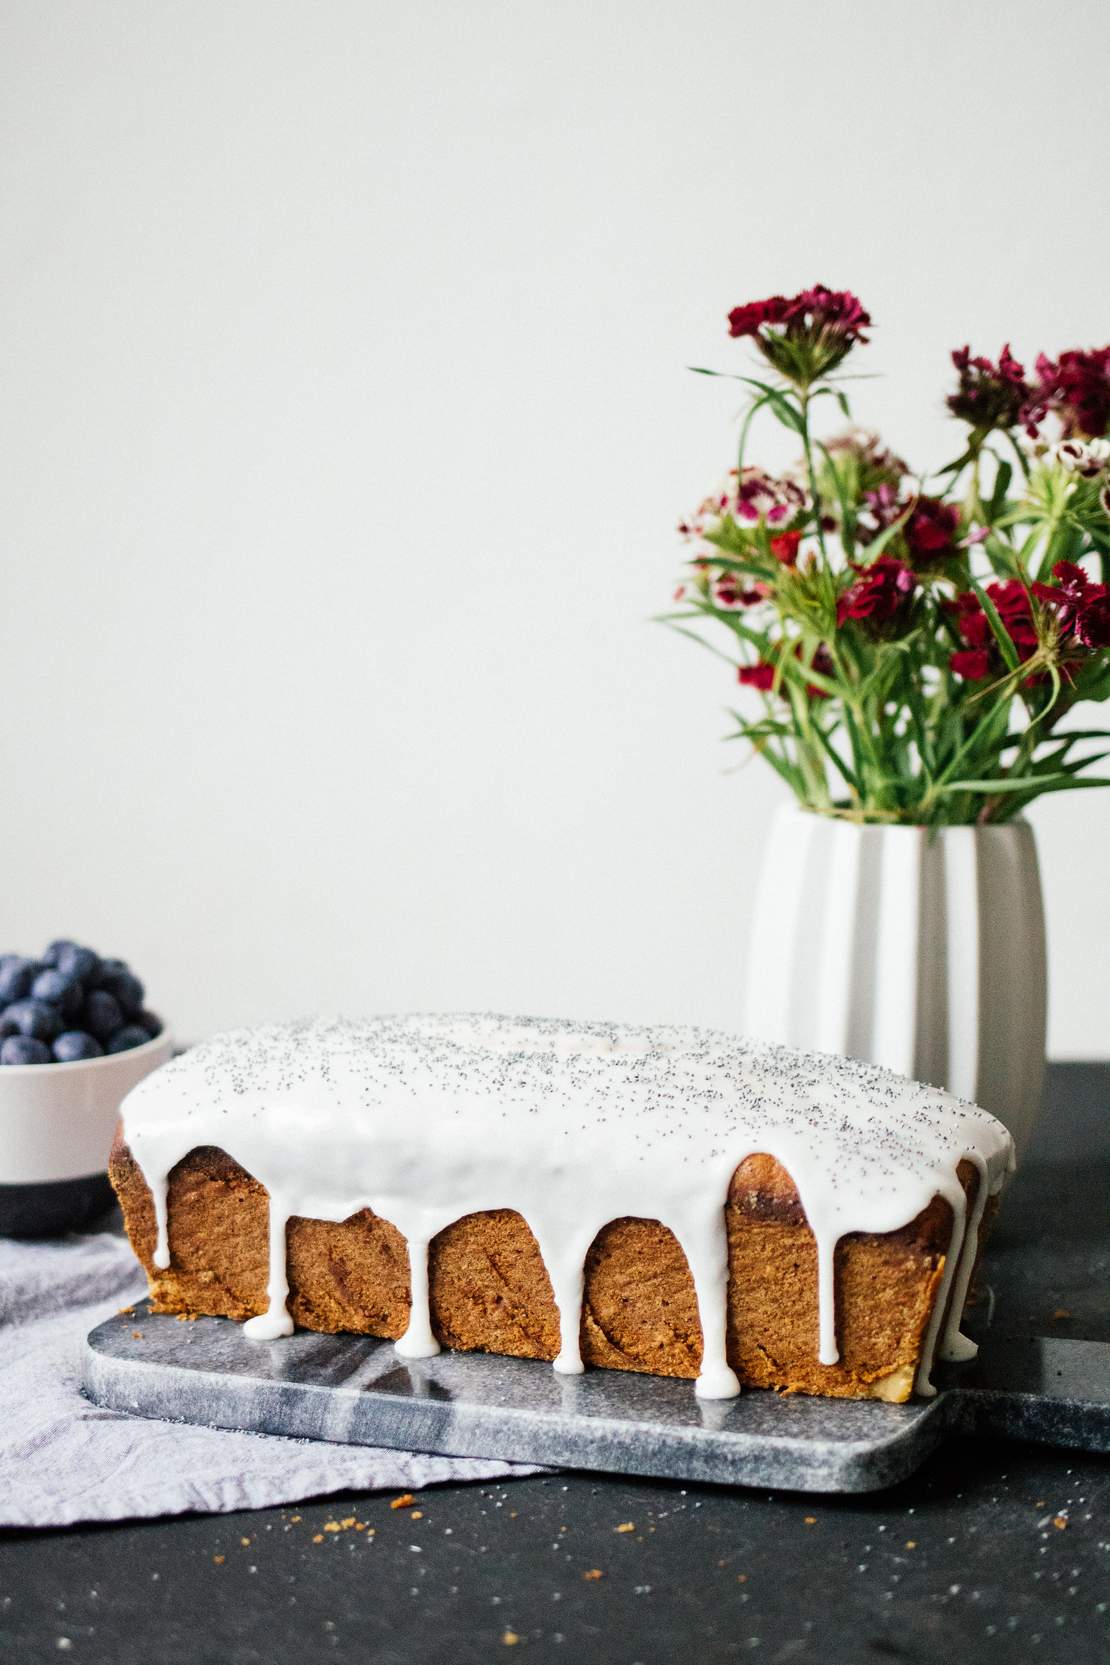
column 811, row 475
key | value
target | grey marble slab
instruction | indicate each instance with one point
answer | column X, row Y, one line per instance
column 355, row 1389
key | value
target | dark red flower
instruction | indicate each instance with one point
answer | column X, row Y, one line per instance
column 829, row 309
column 763, row 675
column 879, row 596
column 989, row 395
column 821, row 663
column 750, row 318
column 1093, row 629
column 931, row 531
column 760, row 675
column 971, row 621
column 1076, row 387
column 1082, row 607
column 784, row 547
column 983, row 656
column 1068, row 595
column 1012, row 604
column 806, row 335
column 973, row 664
column 730, row 593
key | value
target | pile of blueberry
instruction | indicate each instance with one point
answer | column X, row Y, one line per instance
column 68, row 1005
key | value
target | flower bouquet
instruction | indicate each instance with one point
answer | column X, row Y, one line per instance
column 912, row 643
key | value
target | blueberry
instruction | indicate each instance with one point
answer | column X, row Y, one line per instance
column 127, row 1037
column 53, row 953
column 73, row 1044
column 16, row 979
column 24, row 1049
column 9, row 1025
column 100, row 1015
column 34, row 1018
column 126, row 988
column 59, row 990
column 109, row 965
column 79, row 963
column 151, row 1022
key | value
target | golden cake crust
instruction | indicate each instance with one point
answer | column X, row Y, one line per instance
column 489, row 1289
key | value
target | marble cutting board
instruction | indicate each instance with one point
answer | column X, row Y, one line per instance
column 355, row 1389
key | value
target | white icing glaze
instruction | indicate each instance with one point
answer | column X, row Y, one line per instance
column 427, row 1119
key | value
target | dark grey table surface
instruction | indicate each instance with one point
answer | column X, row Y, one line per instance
column 994, row 1551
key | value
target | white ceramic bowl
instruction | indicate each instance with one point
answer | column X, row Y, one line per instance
column 57, row 1122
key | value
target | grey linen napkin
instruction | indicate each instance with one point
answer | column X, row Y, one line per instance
column 63, row 1459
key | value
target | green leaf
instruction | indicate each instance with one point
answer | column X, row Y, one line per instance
column 1001, row 634
column 877, row 545
column 1001, row 487
column 788, row 772
column 1036, row 784
column 960, row 462
column 1023, row 461
column 847, row 510
column 837, row 761
column 832, row 393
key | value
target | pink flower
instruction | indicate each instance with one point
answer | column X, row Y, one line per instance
column 761, row 496
column 752, row 496
column 989, row 395
column 884, row 507
column 1089, row 458
column 879, row 596
column 1076, row 387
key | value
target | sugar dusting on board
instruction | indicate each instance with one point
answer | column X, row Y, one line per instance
column 426, row 1119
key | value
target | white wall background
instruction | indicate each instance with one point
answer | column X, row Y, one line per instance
column 345, row 424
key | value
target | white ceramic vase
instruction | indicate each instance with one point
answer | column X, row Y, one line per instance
column 921, row 950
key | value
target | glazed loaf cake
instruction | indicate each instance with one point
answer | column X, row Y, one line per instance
column 662, row 1200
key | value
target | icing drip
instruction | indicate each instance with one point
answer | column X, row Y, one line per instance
column 418, row 1342
column 276, row 1320
column 426, row 1119
column 566, row 1269
column 706, row 1250
column 159, row 1188
column 827, row 1350
column 955, row 1346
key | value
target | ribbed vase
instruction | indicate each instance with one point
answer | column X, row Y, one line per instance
column 920, row 950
